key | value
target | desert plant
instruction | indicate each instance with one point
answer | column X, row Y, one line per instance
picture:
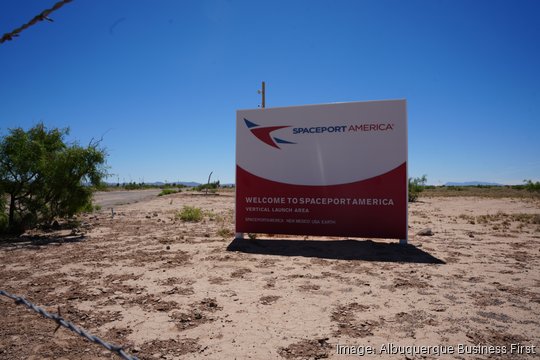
column 168, row 192
column 213, row 186
column 224, row 232
column 416, row 186
column 212, row 216
column 532, row 186
column 44, row 177
column 135, row 186
column 190, row 214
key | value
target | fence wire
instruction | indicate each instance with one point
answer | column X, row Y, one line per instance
column 77, row 330
column 44, row 15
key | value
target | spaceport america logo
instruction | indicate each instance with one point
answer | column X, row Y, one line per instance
column 263, row 133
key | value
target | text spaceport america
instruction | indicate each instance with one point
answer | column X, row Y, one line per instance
column 282, row 200
column 343, row 128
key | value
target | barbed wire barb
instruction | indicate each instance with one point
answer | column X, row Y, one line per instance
column 44, row 15
column 63, row 322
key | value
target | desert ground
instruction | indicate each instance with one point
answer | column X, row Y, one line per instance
column 168, row 289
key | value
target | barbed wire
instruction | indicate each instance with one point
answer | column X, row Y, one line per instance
column 62, row 322
column 44, row 15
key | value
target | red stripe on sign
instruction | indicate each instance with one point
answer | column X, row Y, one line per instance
column 375, row 207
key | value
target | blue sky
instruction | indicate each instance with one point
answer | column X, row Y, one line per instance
column 161, row 80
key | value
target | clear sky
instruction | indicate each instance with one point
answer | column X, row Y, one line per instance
column 161, row 80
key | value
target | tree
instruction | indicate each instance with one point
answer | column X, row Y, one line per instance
column 43, row 177
column 3, row 216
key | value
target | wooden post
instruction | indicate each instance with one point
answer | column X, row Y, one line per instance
column 263, row 94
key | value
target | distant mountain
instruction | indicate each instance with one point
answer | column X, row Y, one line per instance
column 189, row 183
column 472, row 183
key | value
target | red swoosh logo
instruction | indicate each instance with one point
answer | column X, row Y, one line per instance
column 263, row 134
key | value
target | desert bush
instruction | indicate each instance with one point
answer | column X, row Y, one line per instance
column 102, row 186
column 469, row 218
column 532, row 186
column 135, row 186
column 224, row 232
column 526, row 218
column 489, row 218
column 212, row 216
column 190, row 214
column 416, row 186
column 168, row 192
column 213, row 186
column 44, row 178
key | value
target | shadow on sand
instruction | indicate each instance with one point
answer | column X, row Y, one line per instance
column 37, row 241
column 367, row 250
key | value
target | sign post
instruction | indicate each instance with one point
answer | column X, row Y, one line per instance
column 327, row 170
column 262, row 91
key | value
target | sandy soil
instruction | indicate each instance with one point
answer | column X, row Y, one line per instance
column 167, row 289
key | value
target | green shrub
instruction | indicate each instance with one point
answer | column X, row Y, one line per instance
column 90, row 208
column 190, row 213
column 101, row 186
column 532, row 186
column 416, row 186
column 168, row 192
column 213, row 186
column 139, row 186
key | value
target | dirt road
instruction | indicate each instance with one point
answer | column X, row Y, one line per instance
column 107, row 199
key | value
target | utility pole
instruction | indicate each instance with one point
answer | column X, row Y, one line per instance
column 263, row 95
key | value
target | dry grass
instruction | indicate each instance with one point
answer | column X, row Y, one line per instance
column 503, row 221
column 506, row 218
column 479, row 191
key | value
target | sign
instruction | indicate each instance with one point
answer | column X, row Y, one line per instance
column 332, row 169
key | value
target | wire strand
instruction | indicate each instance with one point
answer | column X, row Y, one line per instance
column 63, row 322
column 44, row 15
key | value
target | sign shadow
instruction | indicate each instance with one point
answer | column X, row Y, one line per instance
column 366, row 250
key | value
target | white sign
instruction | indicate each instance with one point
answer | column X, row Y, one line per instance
column 333, row 169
